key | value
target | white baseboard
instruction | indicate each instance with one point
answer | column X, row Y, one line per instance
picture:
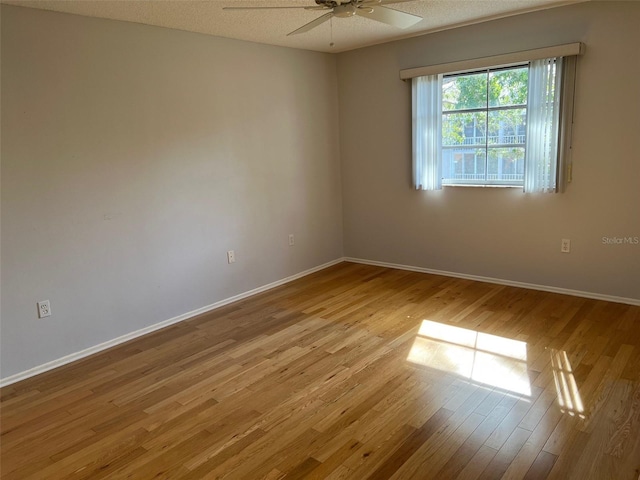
column 157, row 326
column 499, row 281
column 152, row 328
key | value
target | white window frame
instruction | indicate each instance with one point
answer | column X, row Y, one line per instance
column 487, row 146
column 427, row 149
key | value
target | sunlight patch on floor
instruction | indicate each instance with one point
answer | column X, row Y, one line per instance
column 488, row 359
column 569, row 397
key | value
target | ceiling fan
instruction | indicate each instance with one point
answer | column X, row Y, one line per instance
column 373, row 9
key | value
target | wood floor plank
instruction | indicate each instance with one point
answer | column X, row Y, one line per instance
column 474, row 468
column 473, row 443
column 412, row 444
column 333, row 462
column 509, row 450
column 541, row 466
column 338, row 375
column 530, row 451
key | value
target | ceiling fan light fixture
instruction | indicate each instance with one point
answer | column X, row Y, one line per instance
column 344, row 11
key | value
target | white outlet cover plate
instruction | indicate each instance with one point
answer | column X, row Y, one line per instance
column 44, row 309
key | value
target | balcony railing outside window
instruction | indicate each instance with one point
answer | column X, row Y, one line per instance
column 491, row 139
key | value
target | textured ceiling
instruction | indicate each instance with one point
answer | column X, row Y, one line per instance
column 272, row 26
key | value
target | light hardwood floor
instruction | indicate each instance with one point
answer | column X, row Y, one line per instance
column 353, row 372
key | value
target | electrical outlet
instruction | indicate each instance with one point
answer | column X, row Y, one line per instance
column 292, row 240
column 565, row 247
column 231, row 256
column 44, row 309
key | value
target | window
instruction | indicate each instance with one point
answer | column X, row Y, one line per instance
column 484, row 127
column 505, row 123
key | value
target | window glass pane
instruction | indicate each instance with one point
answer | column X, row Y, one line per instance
column 505, row 164
column 463, row 92
column 458, row 163
column 464, row 129
column 463, row 165
column 484, row 146
column 508, row 87
column 507, row 127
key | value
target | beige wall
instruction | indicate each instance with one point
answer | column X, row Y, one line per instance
column 134, row 157
column 500, row 232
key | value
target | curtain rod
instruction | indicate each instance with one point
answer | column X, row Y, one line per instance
column 565, row 50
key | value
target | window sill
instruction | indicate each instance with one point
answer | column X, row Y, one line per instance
column 464, row 185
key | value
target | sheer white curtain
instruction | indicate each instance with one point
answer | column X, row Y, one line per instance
column 543, row 119
column 427, row 132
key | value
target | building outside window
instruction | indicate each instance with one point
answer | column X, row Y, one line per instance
column 484, row 126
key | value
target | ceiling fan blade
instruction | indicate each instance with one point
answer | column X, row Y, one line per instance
column 272, row 8
column 383, row 2
column 312, row 24
column 389, row 16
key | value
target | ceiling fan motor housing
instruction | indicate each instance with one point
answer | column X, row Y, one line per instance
column 337, row 3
